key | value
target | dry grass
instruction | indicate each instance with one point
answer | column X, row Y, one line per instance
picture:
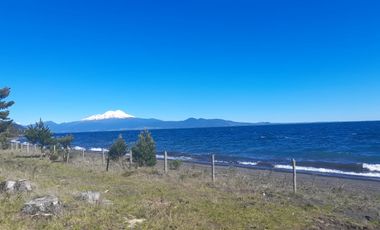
column 183, row 199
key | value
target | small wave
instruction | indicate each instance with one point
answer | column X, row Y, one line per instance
column 221, row 162
column 78, row 148
column 182, row 158
column 372, row 167
column 247, row 163
column 98, row 150
column 324, row 170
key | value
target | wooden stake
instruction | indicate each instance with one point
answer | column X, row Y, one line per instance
column 103, row 158
column 294, row 177
column 166, row 162
column 27, row 148
column 68, row 156
column 130, row 158
column 108, row 163
column 213, row 167
column 83, row 154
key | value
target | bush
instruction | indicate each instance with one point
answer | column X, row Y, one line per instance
column 4, row 144
column 144, row 152
column 174, row 165
column 118, row 149
column 54, row 157
column 65, row 143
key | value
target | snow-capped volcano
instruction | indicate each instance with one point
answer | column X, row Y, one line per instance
column 118, row 114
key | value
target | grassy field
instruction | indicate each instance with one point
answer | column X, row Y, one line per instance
column 185, row 198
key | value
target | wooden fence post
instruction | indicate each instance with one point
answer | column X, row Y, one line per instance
column 103, row 158
column 83, row 154
column 54, row 149
column 213, row 167
column 166, row 162
column 27, row 148
column 294, row 177
column 108, row 163
column 68, row 156
column 130, row 158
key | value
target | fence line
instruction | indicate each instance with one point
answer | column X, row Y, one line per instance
column 15, row 146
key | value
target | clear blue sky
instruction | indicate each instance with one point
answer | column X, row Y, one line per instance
column 278, row 61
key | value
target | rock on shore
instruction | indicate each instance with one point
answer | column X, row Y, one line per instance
column 19, row 186
column 43, row 206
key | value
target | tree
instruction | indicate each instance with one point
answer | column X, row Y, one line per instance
column 39, row 134
column 144, row 152
column 65, row 143
column 5, row 122
column 118, row 149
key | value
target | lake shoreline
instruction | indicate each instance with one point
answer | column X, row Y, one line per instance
column 239, row 198
column 358, row 184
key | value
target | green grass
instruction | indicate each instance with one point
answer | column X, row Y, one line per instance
column 184, row 199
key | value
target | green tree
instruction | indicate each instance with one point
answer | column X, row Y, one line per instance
column 65, row 143
column 144, row 152
column 39, row 134
column 5, row 122
column 118, row 149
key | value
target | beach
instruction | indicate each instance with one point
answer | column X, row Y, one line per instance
column 186, row 198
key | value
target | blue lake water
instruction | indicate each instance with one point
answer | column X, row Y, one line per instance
column 351, row 149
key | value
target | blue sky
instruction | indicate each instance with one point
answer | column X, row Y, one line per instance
column 278, row 61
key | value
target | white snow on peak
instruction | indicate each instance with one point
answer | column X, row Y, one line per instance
column 118, row 114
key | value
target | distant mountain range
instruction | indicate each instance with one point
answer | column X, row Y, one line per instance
column 118, row 121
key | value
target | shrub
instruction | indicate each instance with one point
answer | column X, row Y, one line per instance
column 64, row 144
column 174, row 165
column 144, row 152
column 39, row 134
column 118, row 149
column 53, row 157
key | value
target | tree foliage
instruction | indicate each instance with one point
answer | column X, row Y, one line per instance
column 144, row 152
column 118, row 149
column 39, row 134
column 174, row 165
column 65, row 141
column 5, row 122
